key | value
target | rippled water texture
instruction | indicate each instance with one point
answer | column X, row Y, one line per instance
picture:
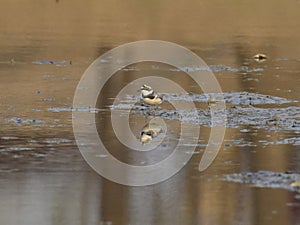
column 45, row 47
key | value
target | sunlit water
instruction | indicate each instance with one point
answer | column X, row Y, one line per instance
column 46, row 47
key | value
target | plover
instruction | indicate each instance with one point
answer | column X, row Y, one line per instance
column 260, row 57
column 149, row 96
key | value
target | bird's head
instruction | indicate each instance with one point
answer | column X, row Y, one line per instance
column 146, row 90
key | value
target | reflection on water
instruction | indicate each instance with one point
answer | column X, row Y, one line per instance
column 150, row 131
column 45, row 48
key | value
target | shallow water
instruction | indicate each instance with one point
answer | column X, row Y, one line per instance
column 46, row 47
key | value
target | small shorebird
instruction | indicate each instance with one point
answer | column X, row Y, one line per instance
column 260, row 57
column 149, row 96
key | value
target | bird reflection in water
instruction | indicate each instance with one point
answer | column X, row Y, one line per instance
column 149, row 132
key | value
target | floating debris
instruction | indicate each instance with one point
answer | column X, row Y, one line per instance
column 71, row 109
column 10, row 149
column 288, row 118
column 50, row 62
column 130, row 68
column 8, row 170
column 58, row 141
column 267, row 179
column 293, row 141
column 282, row 59
column 244, row 130
column 235, row 98
column 212, row 68
column 48, row 99
column 47, row 76
column 101, row 155
column 242, row 142
column 9, row 138
column 217, row 69
column 241, row 111
column 18, row 120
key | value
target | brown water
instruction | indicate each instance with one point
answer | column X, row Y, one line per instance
column 45, row 46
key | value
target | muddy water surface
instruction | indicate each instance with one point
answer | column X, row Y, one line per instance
column 47, row 45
